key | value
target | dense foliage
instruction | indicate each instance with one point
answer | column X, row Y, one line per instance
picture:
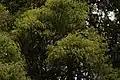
column 59, row 40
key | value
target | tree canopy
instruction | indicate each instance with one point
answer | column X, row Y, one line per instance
column 59, row 40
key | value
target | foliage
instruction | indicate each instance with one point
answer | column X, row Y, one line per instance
column 5, row 19
column 15, row 6
column 11, row 63
column 36, row 28
column 12, row 71
column 109, row 28
column 88, row 53
column 49, row 40
column 9, row 50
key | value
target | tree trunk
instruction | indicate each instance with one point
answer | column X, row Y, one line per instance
column 69, row 66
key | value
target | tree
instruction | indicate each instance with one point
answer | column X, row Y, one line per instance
column 5, row 19
column 37, row 28
column 110, row 28
column 52, row 42
column 15, row 6
column 12, row 64
column 11, row 61
column 81, row 58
